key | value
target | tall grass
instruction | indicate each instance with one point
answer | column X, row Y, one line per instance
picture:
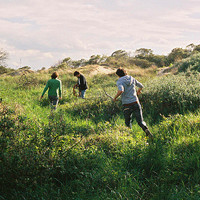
column 84, row 151
column 171, row 95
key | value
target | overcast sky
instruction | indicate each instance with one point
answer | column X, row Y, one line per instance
column 39, row 33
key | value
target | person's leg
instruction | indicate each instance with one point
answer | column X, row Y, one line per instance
column 54, row 102
column 127, row 110
column 83, row 93
column 140, row 120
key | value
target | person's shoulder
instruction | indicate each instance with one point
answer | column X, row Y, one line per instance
column 129, row 76
column 55, row 81
column 58, row 80
column 119, row 80
column 133, row 78
column 83, row 77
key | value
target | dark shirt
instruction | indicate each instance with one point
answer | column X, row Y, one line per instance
column 82, row 84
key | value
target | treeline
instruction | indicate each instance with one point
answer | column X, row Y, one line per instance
column 142, row 57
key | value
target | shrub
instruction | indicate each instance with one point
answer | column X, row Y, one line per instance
column 171, row 94
column 4, row 70
column 30, row 151
column 140, row 62
column 189, row 64
column 99, row 109
column 27, row 81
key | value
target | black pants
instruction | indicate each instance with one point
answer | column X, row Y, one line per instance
column 54, row 101
column 137, row 111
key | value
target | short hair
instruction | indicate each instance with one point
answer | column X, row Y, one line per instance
column 121, row 72
column 76, row 73
column 54, row 75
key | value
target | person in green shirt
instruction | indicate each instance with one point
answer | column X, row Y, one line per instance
column 54, row 85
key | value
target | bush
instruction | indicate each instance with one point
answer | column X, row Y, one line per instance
column 171, row 94
column 27, row 81
column 4, row 70
column 97, row 110
column 189, row 64
column 30, row 151
column 141, row 62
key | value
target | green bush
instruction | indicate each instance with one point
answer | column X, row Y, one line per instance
column 191, row 63
column 4, row 70
column 30, row 150
column 171, row 94
column 140, row 62
column 97, row 110
column 27, row 81
column 36, row 155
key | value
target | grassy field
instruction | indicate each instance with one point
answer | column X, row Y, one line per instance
column 84, row 151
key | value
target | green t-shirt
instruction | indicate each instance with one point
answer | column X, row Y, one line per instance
column 54, row 85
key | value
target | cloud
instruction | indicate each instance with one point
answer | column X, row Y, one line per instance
column 40, row 32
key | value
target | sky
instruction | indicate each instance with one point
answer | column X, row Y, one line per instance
column 41, row 33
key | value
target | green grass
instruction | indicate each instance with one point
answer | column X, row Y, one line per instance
column 84, row 151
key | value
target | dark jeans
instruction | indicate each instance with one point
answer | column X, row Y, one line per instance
column 54, row 101
column 137, row 110
column 83, row 93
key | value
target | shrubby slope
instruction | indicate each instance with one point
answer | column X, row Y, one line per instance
column 84, row 151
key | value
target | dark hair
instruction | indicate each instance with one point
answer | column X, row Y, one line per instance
column 54, row 75
column 76, row 73
column 121, row 72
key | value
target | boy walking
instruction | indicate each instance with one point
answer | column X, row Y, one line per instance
column 126, row 89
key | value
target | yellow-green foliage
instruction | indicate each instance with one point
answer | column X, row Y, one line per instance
column 171, row 94
column 84, row 151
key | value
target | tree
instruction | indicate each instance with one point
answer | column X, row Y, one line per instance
column 94, row 59
column 143, row 63
column 25, row 68
column 119, row 54
column 143, row 52
column 178, row 54
column 147, row 54
column 67, row 60
column 190, row 47
column 3, row 55
column 158, row 60
column 196, row 48
column 78, row 63
column 3, row 70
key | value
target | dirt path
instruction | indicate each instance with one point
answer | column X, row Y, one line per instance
column 167, row 70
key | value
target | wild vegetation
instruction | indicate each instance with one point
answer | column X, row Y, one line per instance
column 84, row 151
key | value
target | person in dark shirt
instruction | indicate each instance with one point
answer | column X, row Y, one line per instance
column 81, row 84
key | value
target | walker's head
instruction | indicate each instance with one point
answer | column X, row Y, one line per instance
column 76, row 73
column 121, row 72
column 54, row 75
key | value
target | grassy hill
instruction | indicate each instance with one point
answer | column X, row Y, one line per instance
column 84, row 151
